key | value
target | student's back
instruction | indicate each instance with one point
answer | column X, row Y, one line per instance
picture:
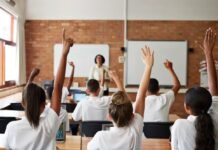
column 92, row 108
column 157, row 107
column 20, row 135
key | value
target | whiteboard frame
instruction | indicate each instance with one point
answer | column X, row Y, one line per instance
column 161, row 86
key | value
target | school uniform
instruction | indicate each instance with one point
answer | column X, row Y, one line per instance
column 64, row 95
column 157, row 107
column 126, row 138
column 183, row 131
column 92, row 108
column 96, row 73
column 20, row 135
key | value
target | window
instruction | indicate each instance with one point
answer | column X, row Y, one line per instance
column 8, row 51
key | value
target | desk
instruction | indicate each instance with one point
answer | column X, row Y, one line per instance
column 11, row 113
column 73, row 143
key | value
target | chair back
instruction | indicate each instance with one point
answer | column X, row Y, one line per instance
column 69, row 107
column 157, row 129
column 89, row 128
column 4, row 122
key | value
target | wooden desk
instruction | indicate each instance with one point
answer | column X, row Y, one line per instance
column 73, row 143
column 173, row 117
column 11, row 113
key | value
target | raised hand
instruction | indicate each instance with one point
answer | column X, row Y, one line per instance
column 67, row 43
column 168, row 64
column 113, row 74
column 148, row 56
column 71, row 63
column 209, row 41
column 34, row 72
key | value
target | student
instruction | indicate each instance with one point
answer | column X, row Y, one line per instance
column 99, row 72
column 66, row 95
column 38, row 128
column 93, row 107
column 128, row 126
column 200, row 130
column 157, row 106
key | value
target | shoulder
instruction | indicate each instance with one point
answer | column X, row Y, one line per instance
column 169, row 93
column 181, row 124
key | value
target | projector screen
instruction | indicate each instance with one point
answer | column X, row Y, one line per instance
column 175, row 51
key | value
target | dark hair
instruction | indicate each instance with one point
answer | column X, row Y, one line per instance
column 102, row 58
column 121, row 109
column 93, row 85
column 153, row 86
column 199, row 100
column 33, row 97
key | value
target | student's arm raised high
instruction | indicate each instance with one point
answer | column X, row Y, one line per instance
column 113, row 74
column 71, row 76
column 59, row 79
column 148, row 59
column 176, row 84
column 32, row 76
column 208, row 46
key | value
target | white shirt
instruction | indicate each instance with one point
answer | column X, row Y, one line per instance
column 92, row 108
column 125, row 138
column 97, row 72
column 157, row 107
column 183, row 131
column 20, row 135
column 65, row 93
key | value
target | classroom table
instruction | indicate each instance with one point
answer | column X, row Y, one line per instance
column 74, row 143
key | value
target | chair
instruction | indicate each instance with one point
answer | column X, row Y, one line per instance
column 89, row 128
column 16, row 106
column 4, row 122
column 69, row 107
column 160, row 130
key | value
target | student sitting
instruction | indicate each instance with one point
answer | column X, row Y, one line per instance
column 93, row 107
column 38, row 128
column 157, row 106
column 127, row 131
column 200, row 130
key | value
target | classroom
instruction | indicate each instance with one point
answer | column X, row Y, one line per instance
column 118, row 74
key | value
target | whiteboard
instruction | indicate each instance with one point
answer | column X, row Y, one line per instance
column 175, row 51
column 83, row 56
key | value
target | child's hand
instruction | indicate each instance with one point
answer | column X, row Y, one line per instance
column 71, row 64
column 148, row 56
column 168, row 64
column 67, row 42
column 209, row 41
column 113, row 74
column 34, row 72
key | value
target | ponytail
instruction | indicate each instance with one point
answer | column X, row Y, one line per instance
column 205, row 132
column 33, row 98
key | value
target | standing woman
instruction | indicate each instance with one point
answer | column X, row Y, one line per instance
column 99, row 72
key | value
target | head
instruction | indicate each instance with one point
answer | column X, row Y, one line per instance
column 93, row 87
column 121, row 110
column 197, row 102
column 99, row 59
column 33, row 100
column 153, row 87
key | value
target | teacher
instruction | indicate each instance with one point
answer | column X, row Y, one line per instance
column 99, row 72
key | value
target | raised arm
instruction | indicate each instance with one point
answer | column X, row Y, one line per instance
column 33, row 74
column 176, row 84
column 59, row 79
column 208, row 46
column 148, row 59
column 71, row 76
column 113, row 74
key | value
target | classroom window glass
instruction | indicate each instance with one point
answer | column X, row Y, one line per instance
column 8, row 50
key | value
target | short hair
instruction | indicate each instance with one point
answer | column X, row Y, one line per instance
column 153, row 86
column 33, row 97
column 93, row 85
column 102, row 58
column 121, row 109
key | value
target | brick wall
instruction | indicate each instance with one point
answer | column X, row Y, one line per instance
column 42, row 35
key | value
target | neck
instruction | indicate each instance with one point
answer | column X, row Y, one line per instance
column 93, row 94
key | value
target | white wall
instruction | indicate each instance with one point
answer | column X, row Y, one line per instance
column 114, row 9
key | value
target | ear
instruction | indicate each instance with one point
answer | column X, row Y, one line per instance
column 87, row 91
column 187, row 109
